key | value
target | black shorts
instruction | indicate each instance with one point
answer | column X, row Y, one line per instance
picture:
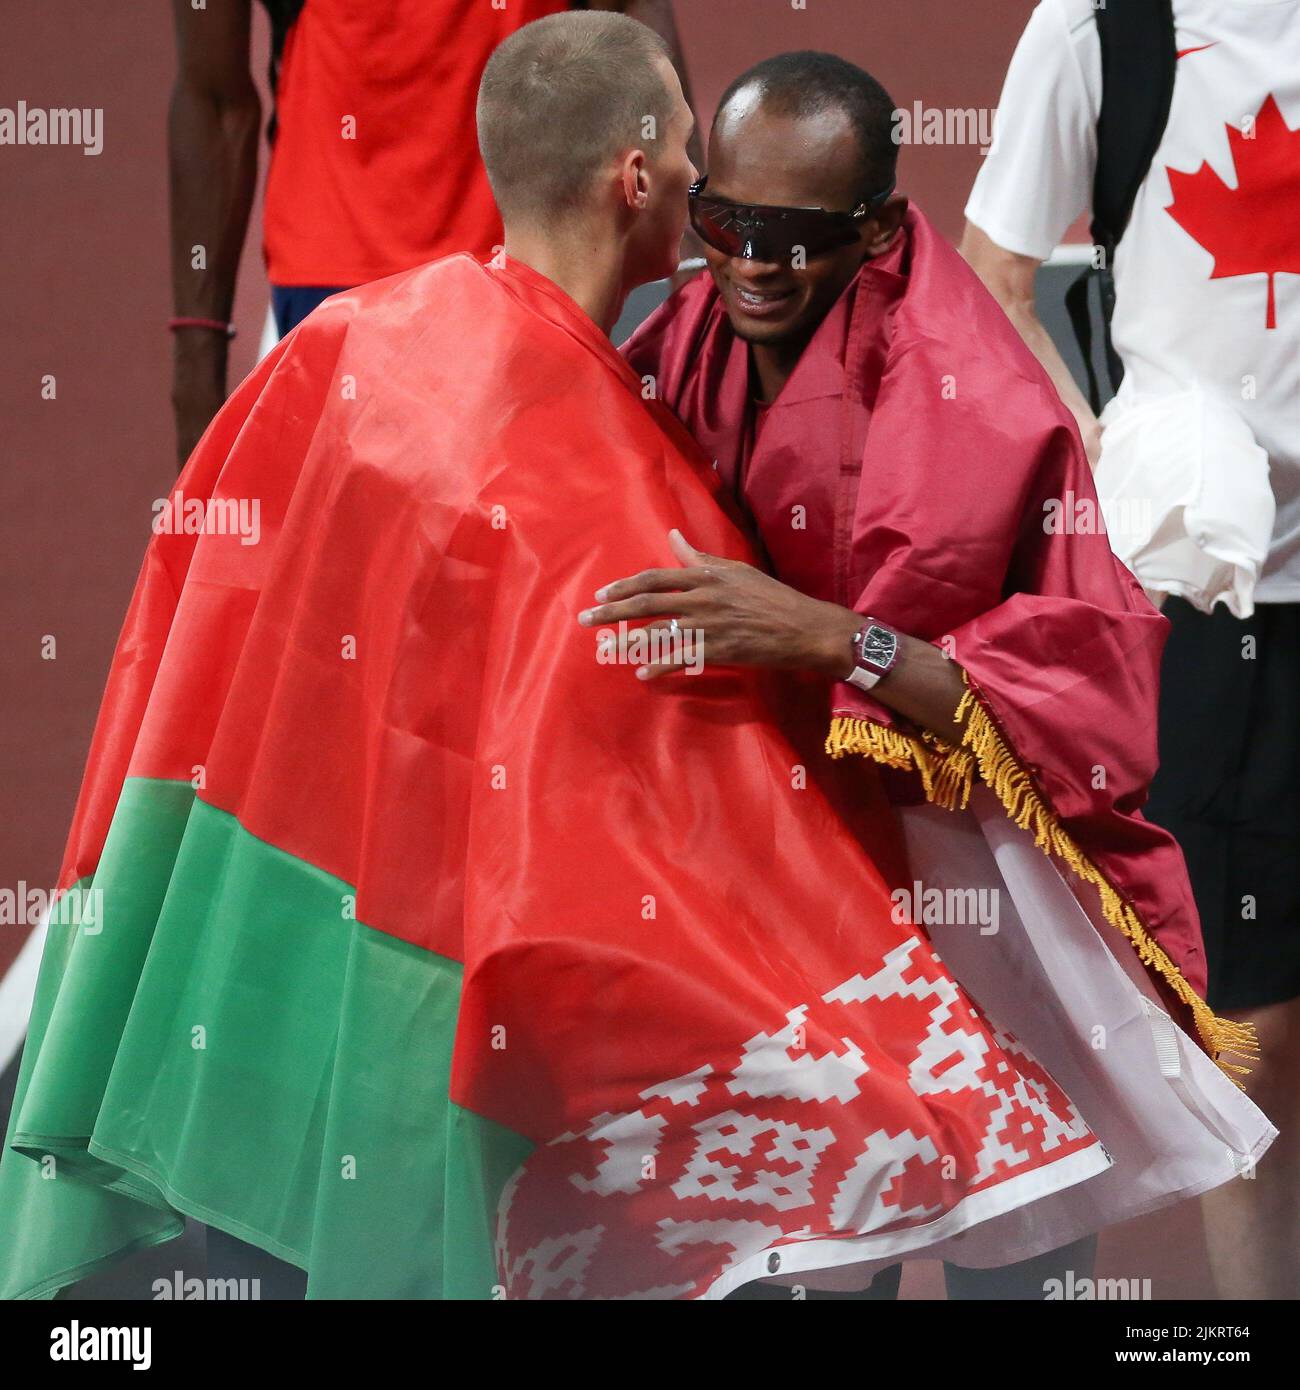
column 1228, row 788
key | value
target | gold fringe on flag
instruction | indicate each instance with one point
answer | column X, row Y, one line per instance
column 947, row 772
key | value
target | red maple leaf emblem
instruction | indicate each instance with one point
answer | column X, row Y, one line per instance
column 1252, row 229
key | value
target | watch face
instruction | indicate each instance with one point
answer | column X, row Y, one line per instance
column 879, row 647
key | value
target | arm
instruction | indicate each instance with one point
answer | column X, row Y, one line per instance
column 212, row 133
column 744, row 617
column 1037, row 178
column 1010, row 279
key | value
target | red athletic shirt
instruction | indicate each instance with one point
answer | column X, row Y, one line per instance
column 376, row 167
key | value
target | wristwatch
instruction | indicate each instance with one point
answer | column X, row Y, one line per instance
column 875, row 652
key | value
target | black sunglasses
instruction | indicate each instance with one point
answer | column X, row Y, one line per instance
column 762, row 232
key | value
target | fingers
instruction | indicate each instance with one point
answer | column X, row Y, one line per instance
column 652, row 582
column 688, row 554
column 658, row 649
column 686, row 657
column 663, row 668
column 657, row 593
column 674, row 605
column 663, row 581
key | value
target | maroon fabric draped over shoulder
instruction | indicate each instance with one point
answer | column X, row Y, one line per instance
column 920, row 468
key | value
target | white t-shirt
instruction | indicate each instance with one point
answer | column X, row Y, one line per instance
column 1236, row 110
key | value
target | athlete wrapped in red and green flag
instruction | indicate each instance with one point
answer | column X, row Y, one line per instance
column 427, row 950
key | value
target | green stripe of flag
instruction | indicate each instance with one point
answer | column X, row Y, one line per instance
column 225, row 1042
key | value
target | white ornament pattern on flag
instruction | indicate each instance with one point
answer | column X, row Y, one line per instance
column 825, row 1127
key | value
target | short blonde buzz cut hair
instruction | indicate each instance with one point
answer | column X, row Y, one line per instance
column 559, row 98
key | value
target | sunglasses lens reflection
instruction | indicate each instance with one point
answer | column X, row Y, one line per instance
column 767, row 234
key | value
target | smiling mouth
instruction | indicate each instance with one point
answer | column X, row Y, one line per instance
column 760, row 303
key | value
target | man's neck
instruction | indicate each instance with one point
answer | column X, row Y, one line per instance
column 588, row 267
column 772, row 365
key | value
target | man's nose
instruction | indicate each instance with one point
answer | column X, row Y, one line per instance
column 752, row 267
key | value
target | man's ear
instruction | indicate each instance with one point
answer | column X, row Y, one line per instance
column 635, row 178
column 883, row 226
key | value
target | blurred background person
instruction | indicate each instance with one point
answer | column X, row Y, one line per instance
column 374, row 164
column 1178, row 127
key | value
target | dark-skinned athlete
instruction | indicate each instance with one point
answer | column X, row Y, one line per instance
column 921, row 496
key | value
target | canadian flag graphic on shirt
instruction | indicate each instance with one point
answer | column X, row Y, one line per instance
column 1254, row 228
column 1207, row 274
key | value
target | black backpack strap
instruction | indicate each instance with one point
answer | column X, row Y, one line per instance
column 1076, row 305
column 1137, row 86
column 1138, row 54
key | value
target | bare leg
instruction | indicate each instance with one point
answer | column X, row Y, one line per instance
column 1252, row 1225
